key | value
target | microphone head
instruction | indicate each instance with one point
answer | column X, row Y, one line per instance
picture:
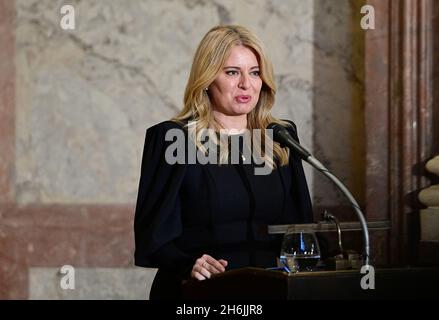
column 284, row 138
column 278, row 130
column 275, row 126
column 280, row 133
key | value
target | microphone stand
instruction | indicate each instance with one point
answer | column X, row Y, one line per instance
column 282, row 135
column 320, row 167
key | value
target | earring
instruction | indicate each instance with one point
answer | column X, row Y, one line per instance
column 206, row 89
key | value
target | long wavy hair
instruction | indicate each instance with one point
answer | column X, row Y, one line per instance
column 208, row 61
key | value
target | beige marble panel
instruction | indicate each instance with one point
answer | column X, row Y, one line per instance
column 86, row 96
column 91, row 283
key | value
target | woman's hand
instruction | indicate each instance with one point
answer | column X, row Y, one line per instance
column 205, row 266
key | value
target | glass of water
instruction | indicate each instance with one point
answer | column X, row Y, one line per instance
column 300, row 251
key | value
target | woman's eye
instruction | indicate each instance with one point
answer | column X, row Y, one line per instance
column 235, row 72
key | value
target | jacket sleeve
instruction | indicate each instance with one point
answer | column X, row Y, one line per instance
column 157, row 221
column 301, row 195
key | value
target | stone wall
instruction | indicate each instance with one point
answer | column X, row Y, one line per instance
column 338, row 106
column 121, row 70
column 84, row 98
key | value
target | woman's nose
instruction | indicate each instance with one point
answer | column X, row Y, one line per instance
column 244, row 82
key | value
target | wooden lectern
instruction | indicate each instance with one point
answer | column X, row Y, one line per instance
column 261, row 284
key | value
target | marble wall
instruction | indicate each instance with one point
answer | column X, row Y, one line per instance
column 338, row 106
column 91, row 284
column 84, row 98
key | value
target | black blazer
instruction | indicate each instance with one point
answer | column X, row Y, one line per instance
column 186, row 210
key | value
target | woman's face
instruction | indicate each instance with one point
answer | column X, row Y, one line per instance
column 235, row 91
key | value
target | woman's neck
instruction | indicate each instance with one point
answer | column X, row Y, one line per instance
column 233, row 124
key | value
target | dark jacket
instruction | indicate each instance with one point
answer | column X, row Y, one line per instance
column 186, row 210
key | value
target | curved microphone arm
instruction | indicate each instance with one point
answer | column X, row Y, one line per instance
column 282, row 136
column 319, row 166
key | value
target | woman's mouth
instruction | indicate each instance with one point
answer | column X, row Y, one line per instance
column 243, row 99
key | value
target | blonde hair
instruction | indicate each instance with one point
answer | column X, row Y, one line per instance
column 208, row 61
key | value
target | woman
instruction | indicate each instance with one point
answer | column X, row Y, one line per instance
column 195, row 220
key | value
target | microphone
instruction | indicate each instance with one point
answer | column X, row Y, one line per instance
column 282, row 136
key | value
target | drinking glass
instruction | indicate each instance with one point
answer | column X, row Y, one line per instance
column 300, row 251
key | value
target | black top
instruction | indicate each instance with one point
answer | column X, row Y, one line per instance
column 186, row 210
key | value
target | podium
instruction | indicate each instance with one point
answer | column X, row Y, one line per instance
column 261, row 284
